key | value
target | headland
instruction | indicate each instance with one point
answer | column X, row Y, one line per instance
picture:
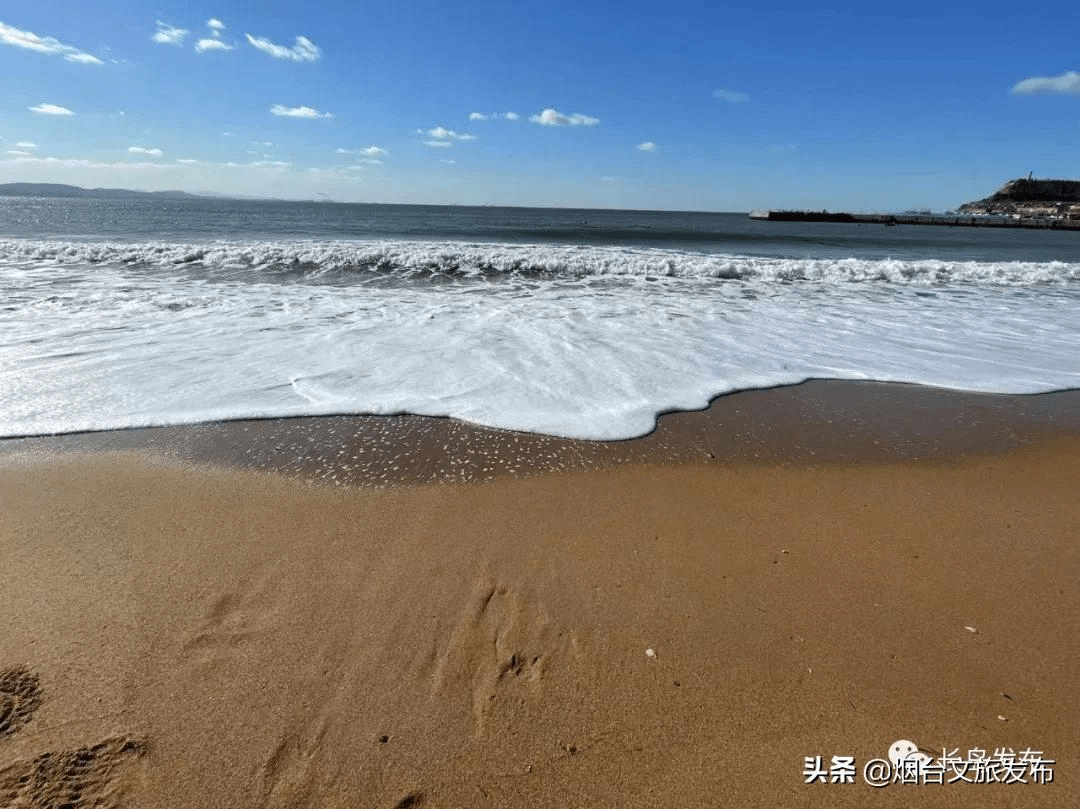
column 1024, row 203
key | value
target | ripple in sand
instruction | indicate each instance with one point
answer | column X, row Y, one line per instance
column 20, row 696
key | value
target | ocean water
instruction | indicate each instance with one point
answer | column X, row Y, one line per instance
column 575, row 323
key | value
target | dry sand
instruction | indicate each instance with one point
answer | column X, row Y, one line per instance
column 807, row 564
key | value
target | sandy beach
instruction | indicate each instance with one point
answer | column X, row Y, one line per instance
column 401, row 611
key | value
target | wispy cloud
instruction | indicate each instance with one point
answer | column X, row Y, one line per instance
column 257, row 164
column 438, row 143
column 731, row 96
column 51, row 109
column 298, row 112
column 370, row 151
column 481, row 116
column 144, row 150
column 49, row 45
column 85, row 59
column 552, row 117
column 176, row 165
column 303, row 51
column 1068, row 82
column 169, row 35
column 443, row 134
column 75, row 162
column 647, row 146
column 25, row 144
column 449, row 162
column 212, row 44
column 215, row 24
column 18, row 153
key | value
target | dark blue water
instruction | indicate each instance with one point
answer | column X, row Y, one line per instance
column 202, row 220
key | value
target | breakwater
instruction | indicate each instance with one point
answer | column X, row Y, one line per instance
column 949, row 220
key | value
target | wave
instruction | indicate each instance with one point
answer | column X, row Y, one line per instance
column 340, row 261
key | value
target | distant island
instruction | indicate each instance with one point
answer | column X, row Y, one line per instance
column 1051, row 199
column 60, row 190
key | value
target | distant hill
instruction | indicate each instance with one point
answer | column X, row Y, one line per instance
column 59, row 190
column 1029, row 197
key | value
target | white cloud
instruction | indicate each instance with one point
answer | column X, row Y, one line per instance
column 51, row 109
column 370, row 151
column 83, row 59
column 303, row 51
column 169, row 35
column 437, row 143
column 215, row 24
column 731, row 96
column 442, row 133
column 184, row 164
column 18, row 153
column 480, row 116
column 72, row 162
column 647, row 146
column 257, row 164
column 25, row 144
column 49, row 45
column 211, row 44
column 298, row 112
column 449, row 162
column 144, row 150
column 1068, row 82
column 552, row 117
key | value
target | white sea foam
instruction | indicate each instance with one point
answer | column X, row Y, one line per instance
column 408, row 259
column 587, row 342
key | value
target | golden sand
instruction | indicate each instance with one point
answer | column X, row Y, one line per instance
column 176, row 634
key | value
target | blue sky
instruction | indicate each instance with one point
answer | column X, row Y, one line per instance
column 677, row 105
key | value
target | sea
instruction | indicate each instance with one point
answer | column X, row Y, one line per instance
column 122, row 313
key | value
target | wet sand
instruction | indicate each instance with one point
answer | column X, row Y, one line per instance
column 272, row 614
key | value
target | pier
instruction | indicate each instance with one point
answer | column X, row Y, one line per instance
column 950, row 220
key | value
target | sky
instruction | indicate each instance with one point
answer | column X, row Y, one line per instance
column 708, row 106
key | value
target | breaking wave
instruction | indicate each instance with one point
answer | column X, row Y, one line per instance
column 345, row 261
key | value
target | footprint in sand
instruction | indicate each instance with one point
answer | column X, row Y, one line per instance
column 20, row 695
column 501, row 645
column 85, row 778
column 78, row 779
